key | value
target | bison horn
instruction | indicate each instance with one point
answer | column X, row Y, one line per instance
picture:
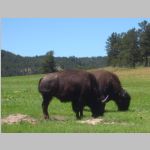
column 106, row 98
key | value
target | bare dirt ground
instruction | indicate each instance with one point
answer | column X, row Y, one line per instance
column 15, row 118
column 96, row 121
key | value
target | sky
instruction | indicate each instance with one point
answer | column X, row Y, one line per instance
column 80, row 37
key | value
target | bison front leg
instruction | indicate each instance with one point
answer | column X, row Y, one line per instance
column 45, row 103
column 78, row 109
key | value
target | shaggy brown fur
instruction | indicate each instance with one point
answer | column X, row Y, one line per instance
column 77, row 86
column 110, row 86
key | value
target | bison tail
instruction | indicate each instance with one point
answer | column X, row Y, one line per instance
column 39, row 84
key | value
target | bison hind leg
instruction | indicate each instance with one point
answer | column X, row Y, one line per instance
column 46, row 100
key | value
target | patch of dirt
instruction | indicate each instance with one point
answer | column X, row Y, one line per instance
column 93, row 121
column 15, row 118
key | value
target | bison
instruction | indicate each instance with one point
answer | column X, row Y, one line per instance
column 110, row 86
column 77, row 86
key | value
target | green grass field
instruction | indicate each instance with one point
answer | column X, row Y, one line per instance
column 20, row 95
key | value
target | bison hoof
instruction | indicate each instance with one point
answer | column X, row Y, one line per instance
column 46, row 117
column 96, row 116
column 79, row 118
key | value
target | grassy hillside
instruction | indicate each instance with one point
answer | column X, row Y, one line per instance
column 20, row 95
column 13, row 65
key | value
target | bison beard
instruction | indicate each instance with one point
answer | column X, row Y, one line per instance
column 110, row 86
column 79, row 87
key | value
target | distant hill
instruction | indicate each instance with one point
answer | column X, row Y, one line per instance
column 12, row 64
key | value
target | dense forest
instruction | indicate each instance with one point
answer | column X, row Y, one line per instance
column 12, row 64
column 131, row 48
column 127, row 49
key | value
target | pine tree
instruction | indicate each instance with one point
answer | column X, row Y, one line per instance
column 130, row 48
column 112, row 48
column 49, row 63
column 145, row 41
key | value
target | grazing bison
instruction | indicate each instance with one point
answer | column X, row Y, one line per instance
column 110, row 87
column 77, row 86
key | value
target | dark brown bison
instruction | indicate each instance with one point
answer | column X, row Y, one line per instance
column 110, row 86
column 77, row 86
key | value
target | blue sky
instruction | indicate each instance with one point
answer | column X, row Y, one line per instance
column 66, row 36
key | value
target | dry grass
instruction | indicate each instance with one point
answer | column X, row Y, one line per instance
column 129, row 72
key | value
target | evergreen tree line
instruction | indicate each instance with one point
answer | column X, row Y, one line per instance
column 131, row 48
column 12, row 65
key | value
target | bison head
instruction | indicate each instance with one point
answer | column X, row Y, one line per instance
column 123, row 100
